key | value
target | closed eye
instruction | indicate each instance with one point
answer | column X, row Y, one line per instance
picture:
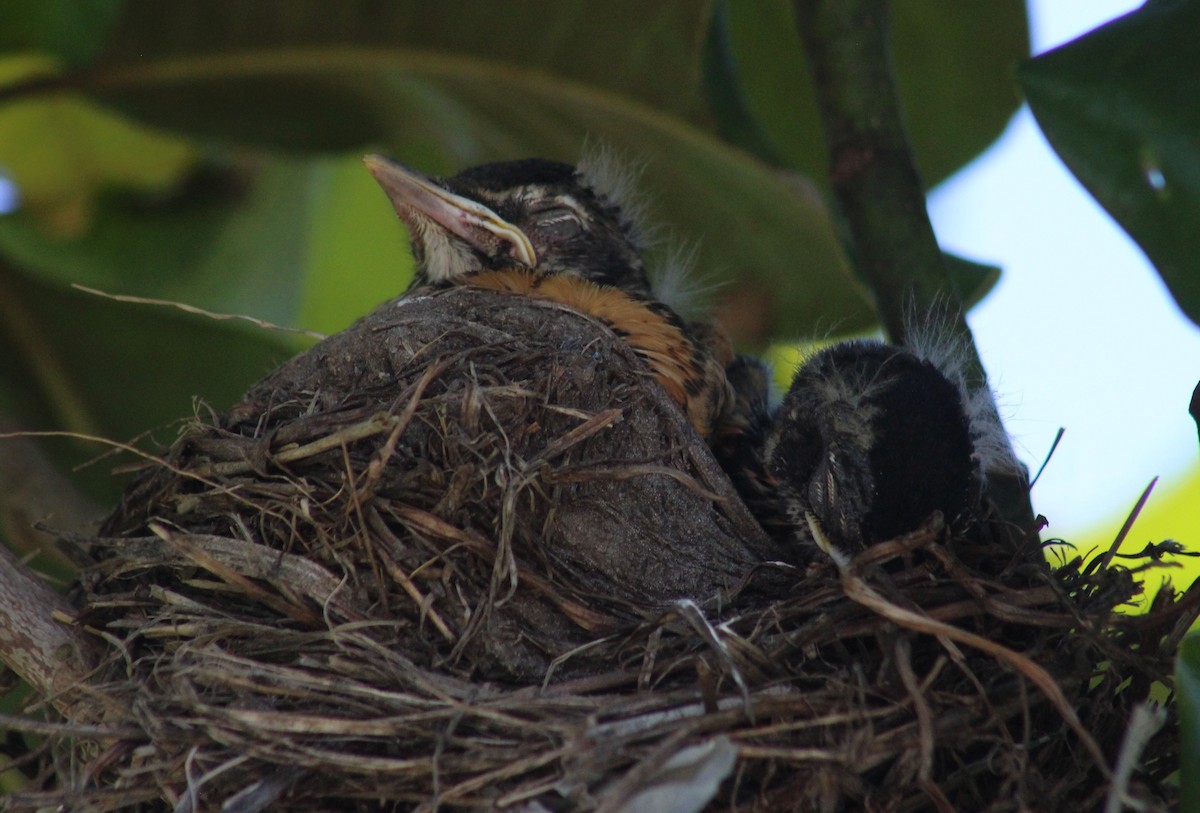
column 557, row 222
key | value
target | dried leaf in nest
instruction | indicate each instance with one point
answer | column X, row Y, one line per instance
column 466, row 555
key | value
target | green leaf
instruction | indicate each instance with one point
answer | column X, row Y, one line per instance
column 954, row 65
column 1187, row 685
column 358, row 253
column 303, row 243
column 102, row 367
column 647, row 52
column 69, row 30
column 443, row 110
column 973, row 280
column 1194, row 407
column 62, row 151
column 735, row 120
column 225, row 249
column 1119, row 106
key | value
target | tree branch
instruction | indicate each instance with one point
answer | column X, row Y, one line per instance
column 874, row 177
column 48, row 654
column 879, row 191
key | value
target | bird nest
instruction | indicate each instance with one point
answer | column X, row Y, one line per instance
column 466, row 555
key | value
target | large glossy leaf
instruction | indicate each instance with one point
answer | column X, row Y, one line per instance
column 972, row 280
column 238, row 244
column 245, row 80
column 70, row 30
column 954, row 64
column 358, row 254
column 646, row 52
column 1120, row 107
column 306, row 243
column 89, row 364
column 61, row 151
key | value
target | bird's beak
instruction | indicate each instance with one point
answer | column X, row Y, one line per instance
column 413, row 194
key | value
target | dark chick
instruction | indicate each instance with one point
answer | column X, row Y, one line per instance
column 871, row 440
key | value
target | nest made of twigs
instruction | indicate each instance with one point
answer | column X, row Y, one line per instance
column 466, row 555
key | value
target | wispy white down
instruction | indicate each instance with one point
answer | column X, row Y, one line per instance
column 931, row 339
column 672, row 275
column 676, row 283
column 615, row 179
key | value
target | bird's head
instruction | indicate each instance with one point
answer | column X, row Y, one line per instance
column 542, row 215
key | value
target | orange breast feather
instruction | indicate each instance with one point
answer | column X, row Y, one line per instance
column 689, row 373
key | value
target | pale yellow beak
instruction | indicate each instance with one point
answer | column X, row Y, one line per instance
column 412, row 192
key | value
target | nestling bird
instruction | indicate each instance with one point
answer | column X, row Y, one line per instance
column 548, row 230
column 870, row 438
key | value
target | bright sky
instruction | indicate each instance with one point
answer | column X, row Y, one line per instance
column 1080, row 333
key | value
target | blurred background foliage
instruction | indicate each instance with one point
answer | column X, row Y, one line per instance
column 208, row 152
